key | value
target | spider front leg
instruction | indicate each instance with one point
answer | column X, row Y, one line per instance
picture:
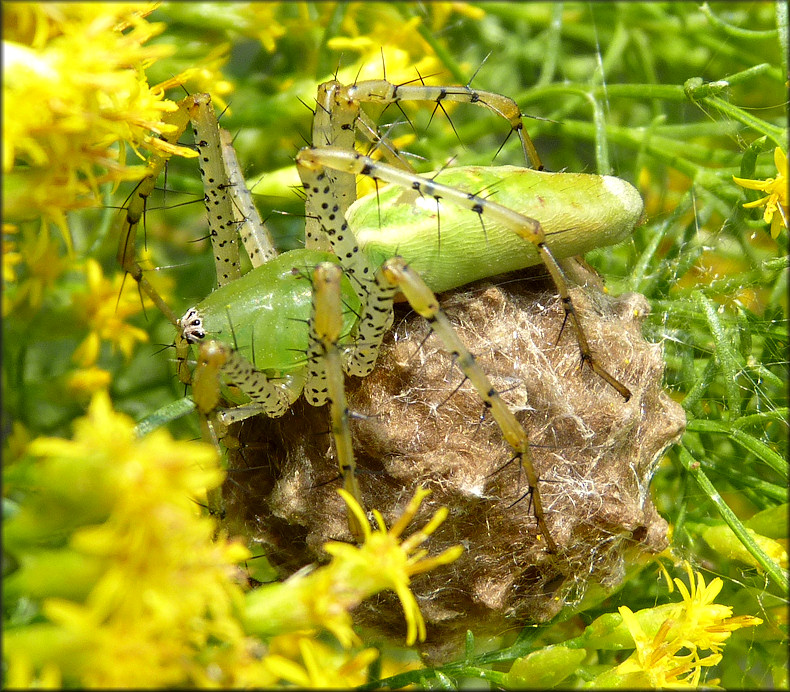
column 230, row 211
column 198, row 110
column 175, row 122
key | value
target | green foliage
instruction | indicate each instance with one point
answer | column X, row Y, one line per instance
column 676, row 98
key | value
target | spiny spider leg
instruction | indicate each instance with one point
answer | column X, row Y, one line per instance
column 135, row 207
column 337, row 118
column 254, row 233
column 424, row 302
column 312, row 163
column 219, row 204
column 325, row 328
column 263, row 362
column 224, row 197
column 231, row 212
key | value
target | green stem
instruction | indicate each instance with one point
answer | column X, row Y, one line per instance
column 734, row 31
column 782, row 31
column 777, row 134
column 774, row 571
column 748, row 442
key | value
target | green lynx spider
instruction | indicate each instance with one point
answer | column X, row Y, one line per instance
column 324, row 310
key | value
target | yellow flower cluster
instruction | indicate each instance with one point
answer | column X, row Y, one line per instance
column 668, row 642
column 40, row 263
column 74, row 95
column 103, row 308
column 303, row 661
column 380, row 33
column 324, row 598
column 135, row 589
column 671, row 657
column 776, row 201
column 383, row 39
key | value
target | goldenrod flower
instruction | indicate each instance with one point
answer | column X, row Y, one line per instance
column 88, row 381
column 264, row 23
column 74, row 95
column 323, row 598
column 11, row 259
column 321, row 667
column 384, row 562
column 655, row 663
column 668, row 639
column 134, row 587
column 704, row 624
column 379, row 34
column 441, row 11
column 40, row 261
column 11, row 256
column 775, row 203
column 16, row 443
column 103, row 308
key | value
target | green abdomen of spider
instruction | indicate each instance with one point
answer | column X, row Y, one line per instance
column 449, row 246
column 264, row 314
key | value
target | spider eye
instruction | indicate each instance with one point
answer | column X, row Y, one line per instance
column 192, row 326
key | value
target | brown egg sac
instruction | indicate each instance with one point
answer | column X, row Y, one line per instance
column 420, row 423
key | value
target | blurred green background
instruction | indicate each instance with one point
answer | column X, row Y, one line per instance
column 677, row 98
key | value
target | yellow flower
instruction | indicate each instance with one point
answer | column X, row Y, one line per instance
column 384, row 562
column 153, row 596
column 41, row 263
column 88, row 381
column 654, row 663
column 441, row 12
column 323, row 598
column 21, row 675
column 704, row 624
column 775, row 202
column 11, row 256
column 103, row 308
column 16, row 443
column 264, row 24
column 380, row 35
column 321, row 667
column 671, row 657
column 74, row 94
